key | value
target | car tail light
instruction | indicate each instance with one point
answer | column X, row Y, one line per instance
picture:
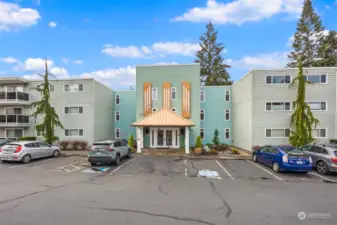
column 18, row 149
column 0, row 150
column 285, row 158
column 111, row 150
column 334, row 160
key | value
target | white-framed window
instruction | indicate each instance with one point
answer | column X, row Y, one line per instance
column 13, row 110
column 227, row 134
column 173, row 109
column 278, row 106
column 202, row 96
column 51, row 87
column 202, row 114
column 73, row 132
column 277, row 133
column 154, row 93
column 14, row 132
column 117, row 99
column 317, row 79
column 73, row 88
column 318, row 105
column 227, row 96
column 319, row 133
column 227, row 114
column 283, row 79
column 12, row 88
column 117, row 116
column 202, row 133
column 73, row 110
column 117, row 132
column 173, row 93
column 154, row 110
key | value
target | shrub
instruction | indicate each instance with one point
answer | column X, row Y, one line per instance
column 131, row 141
column 256, row 147
column 75, row 144
column 213, row 152
column 27, row 138
column 222, row 147
column 198, row 143
column 64, row 144
column 333, row 141
column 83, row 145
column 216, row 137
column 209, row 145
column 235, row 151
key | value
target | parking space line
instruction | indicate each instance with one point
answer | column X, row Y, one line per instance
column 321, row 176
column 225, row 170
column 120, row 167
column 32, row 163
column 279, row 178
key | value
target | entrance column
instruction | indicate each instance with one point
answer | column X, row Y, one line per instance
column 139, row 147
column 187, row 140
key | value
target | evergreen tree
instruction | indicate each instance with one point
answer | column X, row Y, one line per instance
column 216, row 137
column 302, row 120
column 43, row 108
column 328, row 50
column 213, row 68
column 308, row 37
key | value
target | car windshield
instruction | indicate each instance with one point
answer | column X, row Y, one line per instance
column 335, row 152
column 101, row 144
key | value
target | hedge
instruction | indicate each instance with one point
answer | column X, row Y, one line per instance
column 333, row 141
column 27, row 138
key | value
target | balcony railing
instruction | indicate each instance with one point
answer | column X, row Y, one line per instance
column 14, row 120
column 13, row 96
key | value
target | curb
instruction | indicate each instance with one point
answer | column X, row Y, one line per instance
column 72, row 154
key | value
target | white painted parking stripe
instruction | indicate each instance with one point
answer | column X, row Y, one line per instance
column 321, row 176
column 279, row 178
column 32, row 163
column 118, row 168
column 225, row 170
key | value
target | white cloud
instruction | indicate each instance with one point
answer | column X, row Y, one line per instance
column 262, row 61
column 240, row 11
column 166, row 63
column 146, row 50
column 65, row 60
column 52, row 24
column 125, row 52
column 12, row 16
column 176, row 48
column 37, row 64
column 78, row 62
column 10, row 60
column 59, row 73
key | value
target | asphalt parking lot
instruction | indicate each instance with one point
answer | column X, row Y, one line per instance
column 162, row 190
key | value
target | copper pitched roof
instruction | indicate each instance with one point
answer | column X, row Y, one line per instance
column 163, row 118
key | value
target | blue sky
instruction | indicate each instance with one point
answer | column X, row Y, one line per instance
column 106, row 39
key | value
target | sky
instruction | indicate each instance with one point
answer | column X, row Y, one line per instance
column 106, row 39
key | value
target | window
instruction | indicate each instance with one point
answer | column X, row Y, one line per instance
column 227, row 134
column 277, row 133
column 278, row 79
column 51, row 88
column 317, row 106
column 14, row 133
column 202, row 96
column 117, row 144
column 42, row 144
column 319, row 133
column 73, row 87
column 117, row 133
column 117, row 100
column 202, row 114
column 278, row 106
column 39, row 133
column 13, row 88
column 74, row 110
column 154, row 93
column 173, row 93
column 227, row 96
column 227, row 114
column 73, row 132
column 318, row 79
column 13, row 111
column 173, row 110
column 154, row 110
column 202, row 133
column 117, row 116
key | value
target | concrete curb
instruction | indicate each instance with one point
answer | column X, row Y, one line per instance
column 73, row 154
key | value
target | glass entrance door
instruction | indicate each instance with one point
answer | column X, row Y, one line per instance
column 164, row 138
column 168, row 138
column 160, row 138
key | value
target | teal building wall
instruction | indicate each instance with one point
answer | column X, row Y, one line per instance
column 214, row 108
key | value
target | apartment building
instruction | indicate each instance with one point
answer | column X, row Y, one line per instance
column 83, row 105
column 263, row 104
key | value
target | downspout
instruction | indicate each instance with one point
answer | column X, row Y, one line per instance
column 93, row 102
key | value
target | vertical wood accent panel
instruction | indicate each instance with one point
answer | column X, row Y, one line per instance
column 186, row 100
column 166, row 95
column 147, row 99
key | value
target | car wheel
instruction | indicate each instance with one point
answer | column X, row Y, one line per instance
column 117, row 160
column 254, row 158
column 322, row 168
column 276, row 167
column 56, row 153
column 26, row 159
column 129, row 153
column 93, row 164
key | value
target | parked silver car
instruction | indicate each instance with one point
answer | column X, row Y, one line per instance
column 25, row 151
column 109, row 151
column 324, row 157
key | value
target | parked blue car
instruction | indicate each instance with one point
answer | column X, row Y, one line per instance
column 283, row 158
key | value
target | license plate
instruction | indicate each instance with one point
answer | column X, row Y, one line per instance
column 98, row 153
column 6, row 158
column 299, row 162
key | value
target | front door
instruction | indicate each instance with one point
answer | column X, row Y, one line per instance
column 164, row 138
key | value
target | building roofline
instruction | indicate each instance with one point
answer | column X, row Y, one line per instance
column 214, row 86
column 158, row 65
column 123, row 90
column 287, row 68
column 14, row 77
column 65, row 79
column 249, row 72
